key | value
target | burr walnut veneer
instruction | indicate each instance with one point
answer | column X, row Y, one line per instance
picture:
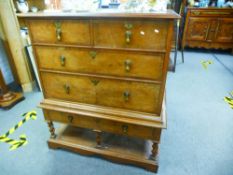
column 104, row 73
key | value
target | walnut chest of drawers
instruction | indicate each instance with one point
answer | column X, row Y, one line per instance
column 104, row 73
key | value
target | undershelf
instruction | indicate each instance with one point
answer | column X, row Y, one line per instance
column 116, row 148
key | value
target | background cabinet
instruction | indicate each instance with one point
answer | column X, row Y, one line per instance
column 208, row 28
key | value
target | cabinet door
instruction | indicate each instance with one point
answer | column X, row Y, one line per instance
column 198, row 29
column 224, row 32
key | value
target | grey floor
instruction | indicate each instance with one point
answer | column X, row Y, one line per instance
column 198, row 139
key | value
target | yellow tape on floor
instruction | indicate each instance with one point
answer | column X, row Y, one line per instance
column 22, row 139
column 229, row 101
column 205, row 64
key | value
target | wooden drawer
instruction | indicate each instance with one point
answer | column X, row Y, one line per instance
column 66, row 32
column 100, row 91
column 205, row 12
column 104, row 125
column 124, row 64
column 131, row 34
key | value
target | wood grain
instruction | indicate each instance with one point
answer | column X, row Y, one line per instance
column 145, row 34
column 143, row 97
column 106, row 62
column 108, row 113
column 72, row 31
column 104, row 125
column 106, row 73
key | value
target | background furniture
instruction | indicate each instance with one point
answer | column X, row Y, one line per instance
column 105, row 79
column 7, row 98
column 208, row 28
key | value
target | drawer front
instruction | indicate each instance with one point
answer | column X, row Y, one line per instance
column 113, row 93
column 128, row 95
column 70, row 88
column 131, row 34
column 212, row 13
column 124, row 64
column 66, row 32
column 104, row 125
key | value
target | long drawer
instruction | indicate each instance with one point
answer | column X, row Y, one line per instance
column 124, row 64
column 147, row 34
column 76, row 32
column 104, row 125
column 130, row 95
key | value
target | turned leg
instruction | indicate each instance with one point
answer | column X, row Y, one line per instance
column 51, row 129
column 154, row 151
column 98, row 138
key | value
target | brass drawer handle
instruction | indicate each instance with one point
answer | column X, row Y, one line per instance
column 93, row 54
column 126, row 95
column 128, row 33
column 63, row 60
column 128, row 65
column 95, row 82
column 70, row 118
column 128, row 36
column 67, row 88
column 58, row 30
column 125, row 129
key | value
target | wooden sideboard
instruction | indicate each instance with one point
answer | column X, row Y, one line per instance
column 209, row 28
column 104, row 74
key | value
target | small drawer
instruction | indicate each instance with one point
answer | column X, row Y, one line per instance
column 145, row 34
column 211, row 13
column 69, row 88
column 123, row 64
column 130, row 95
column 75, row 32
column 104, row 125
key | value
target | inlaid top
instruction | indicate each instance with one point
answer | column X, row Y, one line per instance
column 105, row 13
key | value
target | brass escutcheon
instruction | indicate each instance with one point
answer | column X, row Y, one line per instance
column 93, row 54
column 95, row 82
column 128, row 26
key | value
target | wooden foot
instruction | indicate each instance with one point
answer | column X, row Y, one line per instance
column 51, row 129
column 98, row 139
column 10, row 99
column 154, row 151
